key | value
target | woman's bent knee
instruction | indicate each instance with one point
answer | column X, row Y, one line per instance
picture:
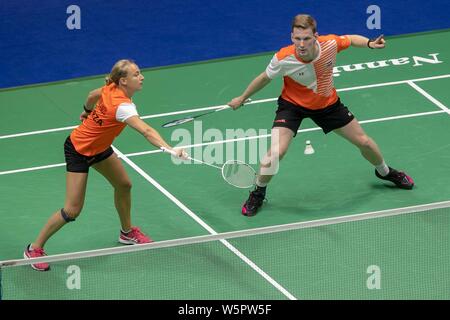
column 69, row 214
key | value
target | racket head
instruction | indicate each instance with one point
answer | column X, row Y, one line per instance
column 177, row 122
column 238, row 174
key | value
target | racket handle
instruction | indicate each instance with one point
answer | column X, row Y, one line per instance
column 228, row 107
column 164, row 149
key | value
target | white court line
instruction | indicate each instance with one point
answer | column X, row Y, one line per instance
column 33, row 168
column 134, row 154
column 393, row 83
column 216, row 107
column 429, row 97
column 412, row 115
column 204, row 224
column 31, row 133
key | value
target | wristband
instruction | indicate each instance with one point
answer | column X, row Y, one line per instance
column 86, row 109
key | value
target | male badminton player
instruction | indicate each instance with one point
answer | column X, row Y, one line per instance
column 308, row 92
column 107, row 111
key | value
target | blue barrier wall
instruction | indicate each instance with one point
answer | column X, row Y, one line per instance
column 36, row 45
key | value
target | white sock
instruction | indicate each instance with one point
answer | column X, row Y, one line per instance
column 125, row 232
column 382, row 169
column 261, row 184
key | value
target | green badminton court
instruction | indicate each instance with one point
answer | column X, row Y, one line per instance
column 400, row 96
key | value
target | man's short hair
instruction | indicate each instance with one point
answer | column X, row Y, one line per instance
column 304, row 21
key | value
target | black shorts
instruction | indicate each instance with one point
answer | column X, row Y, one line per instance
column 76, row 162
column 330, row 118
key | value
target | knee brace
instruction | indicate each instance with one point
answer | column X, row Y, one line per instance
column 65, row 216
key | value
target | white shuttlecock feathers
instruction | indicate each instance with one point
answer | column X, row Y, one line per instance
column 309, row 148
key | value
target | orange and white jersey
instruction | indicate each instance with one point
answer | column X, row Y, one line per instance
column 104, row 123
column 309, row 84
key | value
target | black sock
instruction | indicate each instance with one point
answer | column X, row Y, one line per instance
column 261, row 190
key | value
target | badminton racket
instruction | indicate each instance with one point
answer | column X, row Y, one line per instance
column 236, row 173
column 191, row 118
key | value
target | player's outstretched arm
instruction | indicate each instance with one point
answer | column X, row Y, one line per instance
column 151, row 134
column 257, row 84
column 363, row 42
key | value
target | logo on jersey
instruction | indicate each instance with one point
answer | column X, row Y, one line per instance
column 96, row 117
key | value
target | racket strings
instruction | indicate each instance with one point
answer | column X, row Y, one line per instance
column 177, row 122
column 238, row 174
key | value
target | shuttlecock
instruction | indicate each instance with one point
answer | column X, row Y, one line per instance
column 308, row 148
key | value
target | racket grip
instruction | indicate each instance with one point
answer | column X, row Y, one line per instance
column 228, row 107
column 164, row 149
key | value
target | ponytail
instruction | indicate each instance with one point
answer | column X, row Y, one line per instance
column 119, row 70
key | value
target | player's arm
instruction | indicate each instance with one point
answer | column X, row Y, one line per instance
column 151, row 134
column 91, row 100
column 257, row 84
column 363, row 42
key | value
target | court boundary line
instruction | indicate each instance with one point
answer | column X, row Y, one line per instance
column 134, row 154
column 202, row 223
column 429, row 97
column 15, row 135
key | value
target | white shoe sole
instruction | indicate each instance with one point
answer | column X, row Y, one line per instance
column 123, row 241
column 130, row 242
column 32, row 265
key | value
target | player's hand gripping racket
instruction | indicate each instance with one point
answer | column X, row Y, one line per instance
column 235, row 172
column 191, row 118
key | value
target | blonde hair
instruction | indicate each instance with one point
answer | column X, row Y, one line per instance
column 304, row 21
column 119, row 70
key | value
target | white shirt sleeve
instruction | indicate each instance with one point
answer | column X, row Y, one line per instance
column 274, row 69
column 126, row 110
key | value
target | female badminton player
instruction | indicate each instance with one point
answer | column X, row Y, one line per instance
column 107, row 111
